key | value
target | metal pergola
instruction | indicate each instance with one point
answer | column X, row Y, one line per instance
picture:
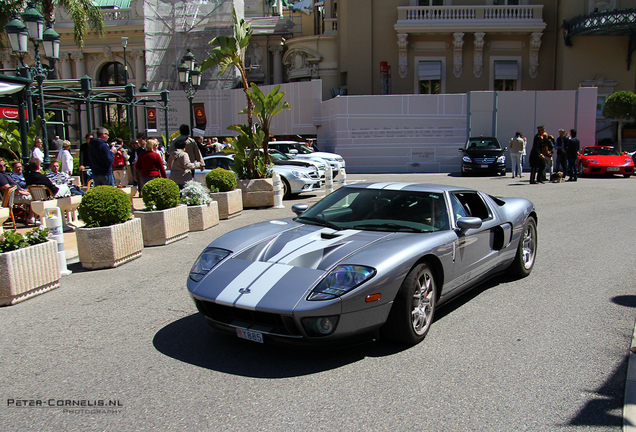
column 607, row 23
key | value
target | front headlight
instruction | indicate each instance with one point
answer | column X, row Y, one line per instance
column 299, row 174
column 467, row 159
column 628, row 161
column 209, row 258
column 340, row 281
column 592, row 161
column 501, row 159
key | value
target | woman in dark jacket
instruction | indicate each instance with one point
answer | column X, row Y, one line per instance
column 149, row 164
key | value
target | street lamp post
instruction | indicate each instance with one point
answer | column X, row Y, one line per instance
column 124, row 44
column 190, row 79
column 32, row 27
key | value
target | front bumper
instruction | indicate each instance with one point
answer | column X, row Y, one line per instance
column 495, row 167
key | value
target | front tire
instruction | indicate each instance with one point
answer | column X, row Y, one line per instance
column 526, row 251
column 414, row 307
column 286, row 188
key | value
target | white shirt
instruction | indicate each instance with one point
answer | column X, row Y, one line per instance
column 38, row 154
column 66, row 162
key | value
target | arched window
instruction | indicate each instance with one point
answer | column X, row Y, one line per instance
column 112, row 74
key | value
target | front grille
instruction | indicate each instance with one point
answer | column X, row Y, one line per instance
column 485, row 160
column 262, row 321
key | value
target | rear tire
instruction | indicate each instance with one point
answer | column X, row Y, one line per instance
column 414, row 307
column 526, row 251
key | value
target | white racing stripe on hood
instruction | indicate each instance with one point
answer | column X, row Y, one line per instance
column 309, row 243
column 231, row 292
column 256, row 280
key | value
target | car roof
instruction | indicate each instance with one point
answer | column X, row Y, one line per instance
column 420, row 187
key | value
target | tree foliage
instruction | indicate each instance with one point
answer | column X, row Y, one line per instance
column 85, row 15
column 266, row 106
column 620, row 105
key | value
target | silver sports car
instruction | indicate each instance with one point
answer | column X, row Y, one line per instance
column 367, row 260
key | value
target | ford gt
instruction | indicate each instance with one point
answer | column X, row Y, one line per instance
column 367, row 261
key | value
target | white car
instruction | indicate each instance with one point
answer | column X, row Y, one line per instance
column 301, row 151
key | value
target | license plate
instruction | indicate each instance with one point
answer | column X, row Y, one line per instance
column 484, row 166
column 250, row 335
column 613, row 169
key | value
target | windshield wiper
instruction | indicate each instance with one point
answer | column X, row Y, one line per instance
column 387, row 225
column 321, row 222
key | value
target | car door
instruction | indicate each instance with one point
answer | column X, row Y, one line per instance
column 475, row 251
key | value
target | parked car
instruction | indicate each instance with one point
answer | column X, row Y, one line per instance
column 483, row 155
column 295, row 179
column 368, row 259
column 605, row 160
column 298, row 150
column 278, row 158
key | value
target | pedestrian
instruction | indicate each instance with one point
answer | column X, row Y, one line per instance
column 181, row 169
column 57, row 143
column 561, row 158
column 120, row 159
column 548, row 151
column 65, row 158
column 537, row 163
column 84, row 162
column 572, row 147
column 37, row 150
column 191, row 147
column 149, row 164
column 101, row 158
column 516, row 150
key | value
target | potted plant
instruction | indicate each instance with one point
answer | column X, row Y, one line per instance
column 222, row 184
column 110, row 236
column 164, row 220
column 203, row 212
column 251, row 153
column 18, row 255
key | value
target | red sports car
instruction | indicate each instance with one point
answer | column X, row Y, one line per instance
column 605, row 160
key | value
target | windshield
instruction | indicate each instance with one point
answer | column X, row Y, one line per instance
column 380, row 210
column 602, row 151
column 482, row 143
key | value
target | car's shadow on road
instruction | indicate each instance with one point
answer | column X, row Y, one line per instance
column 190, row 340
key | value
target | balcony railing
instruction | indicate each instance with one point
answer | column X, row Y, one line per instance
column 456, row 17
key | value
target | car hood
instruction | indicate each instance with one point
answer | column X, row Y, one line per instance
column 483, row 152
column 275, row 269
column 609, row 159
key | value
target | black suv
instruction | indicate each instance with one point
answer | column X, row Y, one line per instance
column 483, row 155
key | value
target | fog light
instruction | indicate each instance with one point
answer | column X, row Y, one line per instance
column 320, row 326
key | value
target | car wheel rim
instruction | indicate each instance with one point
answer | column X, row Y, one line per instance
column 529, row 246
column 423, row 303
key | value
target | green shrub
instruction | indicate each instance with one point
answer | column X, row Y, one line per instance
column 160, row 194
column 104, row 206
column 76, row 165
column 221, row 179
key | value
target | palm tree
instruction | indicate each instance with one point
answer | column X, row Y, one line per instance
column 84, row 13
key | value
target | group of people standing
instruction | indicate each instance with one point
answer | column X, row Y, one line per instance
column 544, row 147
column 144, row 158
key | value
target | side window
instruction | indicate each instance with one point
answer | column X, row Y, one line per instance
column 473, row 204
column 458, row 209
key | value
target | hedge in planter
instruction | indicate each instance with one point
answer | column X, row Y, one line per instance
column 222, row 183
column 18, row 253
column 110, row 237
column 164, row 220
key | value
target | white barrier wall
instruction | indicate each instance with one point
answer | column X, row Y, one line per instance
column 422, row 133
column 400, row 133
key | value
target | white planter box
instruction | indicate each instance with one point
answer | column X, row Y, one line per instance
column 257, row 192
column 109, row 246
column 161, row 227
column 202, row 217
column 230, row 203
column 28, row 272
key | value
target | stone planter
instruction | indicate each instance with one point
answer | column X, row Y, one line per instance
column 230, row 203
column 109, row 246
column 257, row 192
column 28, row 272
column 161, row 227
column 202, row 217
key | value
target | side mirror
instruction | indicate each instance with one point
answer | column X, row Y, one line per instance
column 466, row 223
column 293, row 151
column 302, row 208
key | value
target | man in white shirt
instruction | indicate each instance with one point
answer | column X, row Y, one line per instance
column 37, row 150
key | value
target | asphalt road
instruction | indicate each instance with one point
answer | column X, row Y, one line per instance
column 545, row 353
